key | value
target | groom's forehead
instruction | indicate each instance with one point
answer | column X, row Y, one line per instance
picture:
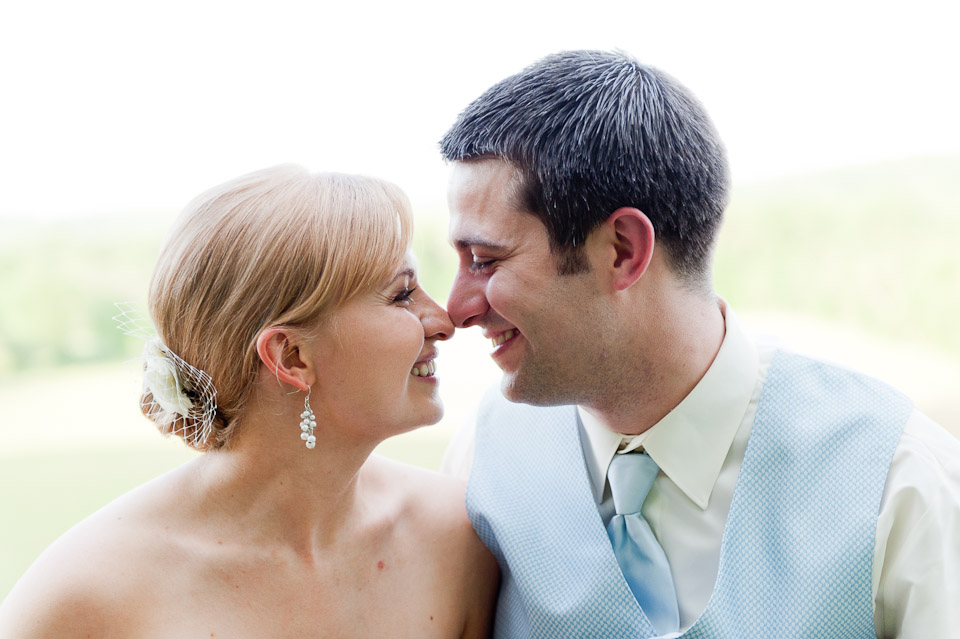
column 497, row 232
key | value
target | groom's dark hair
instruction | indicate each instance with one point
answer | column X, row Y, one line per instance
column 593, row 131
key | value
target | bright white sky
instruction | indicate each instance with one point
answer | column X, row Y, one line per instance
column 128, row 106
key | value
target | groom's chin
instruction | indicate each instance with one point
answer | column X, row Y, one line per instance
column 516, row 388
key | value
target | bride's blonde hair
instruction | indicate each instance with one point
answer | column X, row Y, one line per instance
column 279, row 246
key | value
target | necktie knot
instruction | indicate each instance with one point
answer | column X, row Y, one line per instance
column 631, row 476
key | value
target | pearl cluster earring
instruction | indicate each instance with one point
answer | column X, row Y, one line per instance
column 308, row 422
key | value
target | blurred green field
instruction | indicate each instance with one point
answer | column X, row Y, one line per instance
column 870, row 251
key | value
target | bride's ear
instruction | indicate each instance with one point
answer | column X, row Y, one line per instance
column 279, row 352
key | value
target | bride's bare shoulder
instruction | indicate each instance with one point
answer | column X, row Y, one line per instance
column 96, row 577
column 428, row 506
column 417, row 491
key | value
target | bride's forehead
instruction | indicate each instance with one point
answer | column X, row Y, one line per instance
column 410, row 261
column 403, row 271
column 407, row 268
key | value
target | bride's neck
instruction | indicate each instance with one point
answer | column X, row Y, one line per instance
column 269, row 482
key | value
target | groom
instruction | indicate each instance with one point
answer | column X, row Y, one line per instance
column 648, row 469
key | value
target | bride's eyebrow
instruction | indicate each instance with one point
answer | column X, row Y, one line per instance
column 407, row 272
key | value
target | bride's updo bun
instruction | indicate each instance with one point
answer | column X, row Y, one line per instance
column 279, row 246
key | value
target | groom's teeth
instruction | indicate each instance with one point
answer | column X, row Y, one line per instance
column 502, row 337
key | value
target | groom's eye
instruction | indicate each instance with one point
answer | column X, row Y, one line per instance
column 480, row 263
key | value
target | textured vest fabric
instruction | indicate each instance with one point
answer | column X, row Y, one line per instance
column 796, row 557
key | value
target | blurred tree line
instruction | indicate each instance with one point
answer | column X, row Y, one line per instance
column 59, row 280
column 874, row 247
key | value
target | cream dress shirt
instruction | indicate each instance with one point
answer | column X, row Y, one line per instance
column 699, row 447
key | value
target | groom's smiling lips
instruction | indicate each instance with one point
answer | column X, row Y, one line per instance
column 504, row 352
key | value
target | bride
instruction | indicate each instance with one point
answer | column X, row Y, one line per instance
column 292, row 338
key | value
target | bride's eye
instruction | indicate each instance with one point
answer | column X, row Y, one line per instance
column 405, row 296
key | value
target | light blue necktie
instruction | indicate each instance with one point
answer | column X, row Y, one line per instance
column 641, row 559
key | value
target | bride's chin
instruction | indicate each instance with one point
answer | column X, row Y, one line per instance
column 433, row 419
column 434, row 416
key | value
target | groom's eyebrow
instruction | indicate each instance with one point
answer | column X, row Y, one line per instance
column 466, row 243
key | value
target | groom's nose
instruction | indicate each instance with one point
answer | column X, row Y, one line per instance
column 468, row 301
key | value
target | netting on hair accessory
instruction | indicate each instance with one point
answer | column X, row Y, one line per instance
column 179, row 397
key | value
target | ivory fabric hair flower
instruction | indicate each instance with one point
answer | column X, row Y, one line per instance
column 163, row 379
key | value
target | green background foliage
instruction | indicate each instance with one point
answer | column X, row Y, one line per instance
column 871, row 247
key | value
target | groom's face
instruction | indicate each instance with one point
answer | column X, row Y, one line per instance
column 542, row 325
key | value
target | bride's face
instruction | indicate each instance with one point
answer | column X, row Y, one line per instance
column 376, row 359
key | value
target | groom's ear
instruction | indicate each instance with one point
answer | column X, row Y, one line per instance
column 626, row 247
column 279, row 352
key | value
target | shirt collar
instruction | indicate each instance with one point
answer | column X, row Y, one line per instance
column 691, row 442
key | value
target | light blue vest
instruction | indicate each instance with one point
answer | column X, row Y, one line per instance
column 797, row 553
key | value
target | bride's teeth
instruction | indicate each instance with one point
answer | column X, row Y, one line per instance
column 427, row 368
